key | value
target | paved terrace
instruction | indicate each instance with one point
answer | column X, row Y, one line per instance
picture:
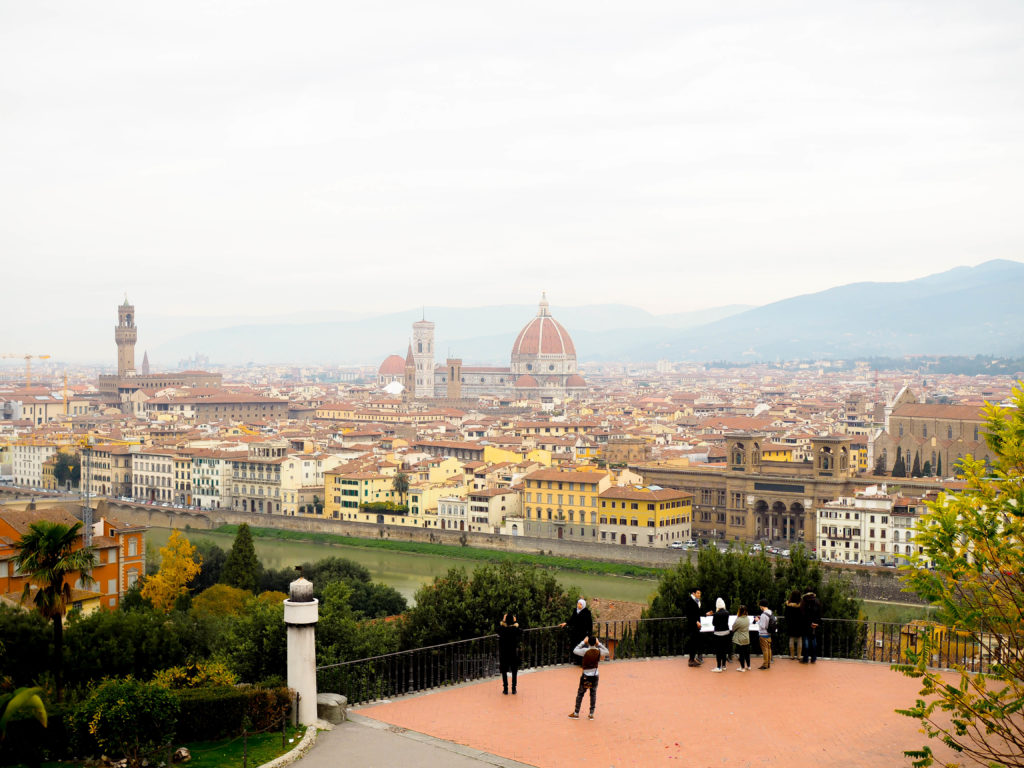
column 654, row 712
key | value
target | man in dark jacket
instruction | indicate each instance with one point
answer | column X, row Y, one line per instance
column 580, row 625
column 810, row 612
column 509, row 634
column 691, row 627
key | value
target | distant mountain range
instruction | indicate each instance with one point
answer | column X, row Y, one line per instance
column 963, row 311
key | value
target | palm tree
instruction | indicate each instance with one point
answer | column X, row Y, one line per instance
column 47, row 556
column 401, row 485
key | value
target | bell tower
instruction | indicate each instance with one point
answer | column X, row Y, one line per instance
column 423, row 353
column 125, row 335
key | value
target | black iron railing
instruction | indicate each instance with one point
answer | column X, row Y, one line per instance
column 422, row 669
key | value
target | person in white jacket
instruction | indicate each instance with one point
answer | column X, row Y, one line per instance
column 592, row 651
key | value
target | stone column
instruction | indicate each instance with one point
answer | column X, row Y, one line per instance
column 301, row 612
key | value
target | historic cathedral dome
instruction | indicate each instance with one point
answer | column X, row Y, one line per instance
column 391, row 366
column 544, row 349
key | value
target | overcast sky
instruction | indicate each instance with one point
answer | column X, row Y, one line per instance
column 248, row 158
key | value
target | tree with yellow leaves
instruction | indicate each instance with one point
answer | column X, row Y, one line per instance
column 178, row 567
column 972, row 568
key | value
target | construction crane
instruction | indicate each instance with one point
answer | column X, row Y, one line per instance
column 28, row 364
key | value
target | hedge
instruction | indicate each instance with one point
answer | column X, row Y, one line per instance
column 208, row 714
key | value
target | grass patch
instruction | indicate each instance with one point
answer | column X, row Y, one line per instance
column 894, row 614
column 261, row 748
column 447, row 550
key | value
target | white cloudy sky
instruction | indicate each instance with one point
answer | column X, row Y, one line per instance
column 247, row 158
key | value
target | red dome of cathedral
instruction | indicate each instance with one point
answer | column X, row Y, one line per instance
column 543, row 336
column 393, row 365
column 575, row 381
column 526, row 382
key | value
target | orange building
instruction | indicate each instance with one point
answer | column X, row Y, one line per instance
column 120, row 558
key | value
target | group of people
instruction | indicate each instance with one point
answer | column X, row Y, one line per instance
column 587, row 653
column 802, row 618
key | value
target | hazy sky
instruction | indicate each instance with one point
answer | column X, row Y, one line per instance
column 247, row 158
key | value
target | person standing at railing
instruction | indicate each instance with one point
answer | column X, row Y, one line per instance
column 741, row 637
column 691, row 627
column 509, row 635
column 794, row 624
column 810, row 610
column 580, row 625
column 590, row 651
column 764, row 634
column 720, row 622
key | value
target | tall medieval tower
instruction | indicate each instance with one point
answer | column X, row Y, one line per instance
column 125, row 335
column 423, row 354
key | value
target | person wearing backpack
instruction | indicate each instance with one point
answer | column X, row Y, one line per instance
column 591, row 652
column 766, row 624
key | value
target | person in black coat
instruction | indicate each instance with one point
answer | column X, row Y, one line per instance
column 580, row 625
column 691, row 627
column 509, row 635
column 810, row 612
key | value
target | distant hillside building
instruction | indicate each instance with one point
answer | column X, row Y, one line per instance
column 543, row 365
column 116, row 389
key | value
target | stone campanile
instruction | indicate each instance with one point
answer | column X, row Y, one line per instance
column 125, row 335
column 423, row 353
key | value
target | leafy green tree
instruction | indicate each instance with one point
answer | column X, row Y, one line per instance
column 68, row 469
column 457, row 606
column 974, row 541
column 257, row 646
column 368, row 599
column 130, row 719
column 926, row 470
column 341, row 636
column 136, row 643
column 880, row 465
column 242, row 568
column 48, row 556
column 220, row 602
column 25, row 647
column 211, row 559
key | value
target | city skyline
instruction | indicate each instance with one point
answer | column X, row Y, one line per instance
column 236, row 162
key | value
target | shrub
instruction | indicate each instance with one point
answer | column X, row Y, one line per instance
column 128, row 719
column 203, row 674
column 214, row 713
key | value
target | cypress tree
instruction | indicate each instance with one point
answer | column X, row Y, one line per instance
column 938, row 466
column 916, row 469
column 242, row 568
column 899, row 469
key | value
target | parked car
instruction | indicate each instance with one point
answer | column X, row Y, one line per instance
column 691, row 542
column 756, row 548
column 676, row 545
column 784, row 553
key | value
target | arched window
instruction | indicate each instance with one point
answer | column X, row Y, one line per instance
column 949, row 433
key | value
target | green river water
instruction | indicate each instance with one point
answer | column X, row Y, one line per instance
column 405, row 571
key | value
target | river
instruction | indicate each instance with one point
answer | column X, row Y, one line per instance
column 405, row 571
